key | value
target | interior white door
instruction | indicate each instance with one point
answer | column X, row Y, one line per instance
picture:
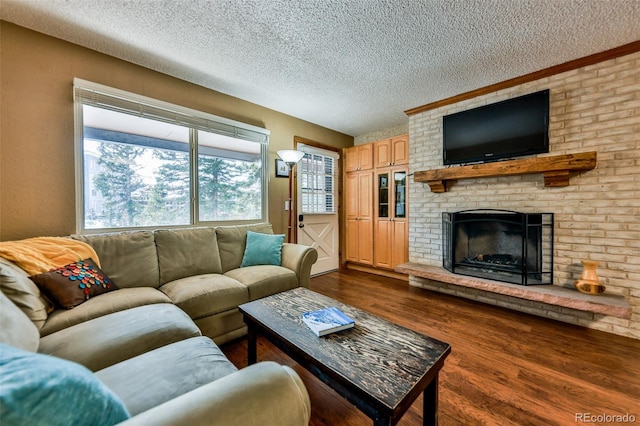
column 317, row 199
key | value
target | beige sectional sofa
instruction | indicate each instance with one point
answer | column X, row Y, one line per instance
column 152, row 342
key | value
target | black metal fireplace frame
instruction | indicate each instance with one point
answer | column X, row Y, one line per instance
column 532, row 226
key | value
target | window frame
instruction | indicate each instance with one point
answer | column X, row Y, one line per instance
column 101, row 96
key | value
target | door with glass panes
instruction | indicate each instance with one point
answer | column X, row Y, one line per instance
column 391, row 227
column 317, row 206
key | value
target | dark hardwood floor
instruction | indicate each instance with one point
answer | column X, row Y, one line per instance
column 505, row 367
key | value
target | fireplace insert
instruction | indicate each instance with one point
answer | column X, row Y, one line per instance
column 500, row 245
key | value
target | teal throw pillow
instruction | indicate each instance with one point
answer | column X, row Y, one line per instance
column 263, row 249
column 37, row 389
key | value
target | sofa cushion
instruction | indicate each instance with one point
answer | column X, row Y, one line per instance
column 223, row 327
column 129, row 258
column 204, row 295
column 16, row 329
column 16, row 285
column 72, row 284
column 113, row 338
column 38, row 389
column 114, row 301
column 262, row 249
column 158, row 376
column 232, row 241
column 265, row 280
column 186, row 252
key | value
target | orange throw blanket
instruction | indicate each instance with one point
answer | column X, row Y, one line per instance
column 42, row 254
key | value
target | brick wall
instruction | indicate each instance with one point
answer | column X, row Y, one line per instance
column 381, row 134
column 597, row 217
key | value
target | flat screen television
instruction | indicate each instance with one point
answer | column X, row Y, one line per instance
column 507, row 129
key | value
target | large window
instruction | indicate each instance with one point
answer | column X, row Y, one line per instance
column 145, row 163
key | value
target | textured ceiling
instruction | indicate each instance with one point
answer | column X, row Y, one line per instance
column 350, row 65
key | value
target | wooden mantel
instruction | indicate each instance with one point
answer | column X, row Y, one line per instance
column 555, row 169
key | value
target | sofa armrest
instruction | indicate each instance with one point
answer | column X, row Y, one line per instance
column 299, row 258
column 266, row 393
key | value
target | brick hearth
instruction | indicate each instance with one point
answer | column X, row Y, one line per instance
column 554, row 295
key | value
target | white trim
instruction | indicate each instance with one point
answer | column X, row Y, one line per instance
column 78, row 137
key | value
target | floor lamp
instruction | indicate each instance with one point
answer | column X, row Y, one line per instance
column 291, row 158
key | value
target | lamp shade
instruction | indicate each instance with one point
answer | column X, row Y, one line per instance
column 290, row 156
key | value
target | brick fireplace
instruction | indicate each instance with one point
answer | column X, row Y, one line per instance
column 597, row 217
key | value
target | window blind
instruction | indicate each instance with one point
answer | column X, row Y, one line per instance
column 94, row 94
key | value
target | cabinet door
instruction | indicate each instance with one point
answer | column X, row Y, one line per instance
column 382, row 154
column 383, row 195
column 365, row 218
column 351, row 195
column 351, row 161
column 399, row 224
column 365, row 156
column 383, row 243
column 399, row 242
column 382, row 224
column 358, row 158
column 352, row 240
column 365, row 195
column 400, row 150
column 358, row 211
column 365, row 246
column 399, row 194
column 351, row 213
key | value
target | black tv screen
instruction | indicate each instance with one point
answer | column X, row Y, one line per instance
column 507, row 129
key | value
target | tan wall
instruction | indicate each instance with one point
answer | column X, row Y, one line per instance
column 597, row 217
column 37, row 195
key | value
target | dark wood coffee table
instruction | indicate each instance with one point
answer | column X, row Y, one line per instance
column 378, row 366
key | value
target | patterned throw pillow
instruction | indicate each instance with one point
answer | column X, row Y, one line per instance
column 74, row 283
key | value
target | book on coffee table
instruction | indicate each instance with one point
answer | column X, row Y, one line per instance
column 327, row 320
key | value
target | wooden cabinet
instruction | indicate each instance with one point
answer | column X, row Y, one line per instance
column 375, row 204
column 391, row 246
column 391, row 152
column 359, row 217
column 358, row 158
